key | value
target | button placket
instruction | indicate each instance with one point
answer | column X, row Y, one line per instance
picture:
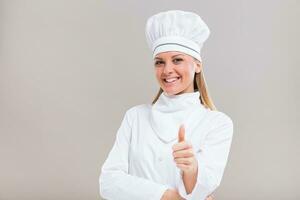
column 162, row 154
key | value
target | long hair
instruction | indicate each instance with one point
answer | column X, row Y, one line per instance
column 199, row 85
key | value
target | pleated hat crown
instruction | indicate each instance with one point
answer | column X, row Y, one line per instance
column 176, row 30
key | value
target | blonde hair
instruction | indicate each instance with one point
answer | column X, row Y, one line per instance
column 199, row 85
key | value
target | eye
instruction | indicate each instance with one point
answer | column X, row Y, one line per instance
column 177, row 60
column 158, row 62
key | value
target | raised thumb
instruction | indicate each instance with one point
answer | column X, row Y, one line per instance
column 181, row 133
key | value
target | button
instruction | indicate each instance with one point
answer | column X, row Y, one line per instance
column 160, row 159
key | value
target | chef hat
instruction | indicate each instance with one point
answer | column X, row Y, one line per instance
column 176, row 30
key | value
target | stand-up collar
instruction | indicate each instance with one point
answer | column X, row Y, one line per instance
column 170, row 111
column 174, row 103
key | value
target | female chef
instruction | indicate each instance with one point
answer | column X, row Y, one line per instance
column 177, row 146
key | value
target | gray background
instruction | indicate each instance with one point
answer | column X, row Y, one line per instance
column 70, row 69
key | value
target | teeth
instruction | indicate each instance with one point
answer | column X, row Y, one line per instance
column 171, row 80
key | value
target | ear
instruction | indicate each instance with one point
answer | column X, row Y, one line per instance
column 198, row 66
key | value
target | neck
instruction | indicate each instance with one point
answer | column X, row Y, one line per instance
column 176, row 102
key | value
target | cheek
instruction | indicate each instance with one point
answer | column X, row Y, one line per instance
column 157, row 73
column 188, row 74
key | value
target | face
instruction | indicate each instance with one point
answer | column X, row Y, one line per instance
column 175, row 72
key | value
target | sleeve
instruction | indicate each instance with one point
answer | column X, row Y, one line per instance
column 211, row 159
column 115, row 182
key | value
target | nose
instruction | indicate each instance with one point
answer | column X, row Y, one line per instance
column 168, row 68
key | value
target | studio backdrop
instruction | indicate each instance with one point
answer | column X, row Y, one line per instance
column 70, row 69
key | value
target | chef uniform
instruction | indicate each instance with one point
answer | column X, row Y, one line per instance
column 140, row 165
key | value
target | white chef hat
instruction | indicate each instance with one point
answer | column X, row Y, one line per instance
column 176, row 30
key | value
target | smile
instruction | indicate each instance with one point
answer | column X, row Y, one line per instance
column 171, row 81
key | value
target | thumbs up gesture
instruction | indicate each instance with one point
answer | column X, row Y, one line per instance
column 183, row 154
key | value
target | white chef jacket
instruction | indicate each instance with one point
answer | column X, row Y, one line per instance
column 140, row 165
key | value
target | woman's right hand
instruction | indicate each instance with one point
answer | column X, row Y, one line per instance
column 171, row 194
column 210, row 197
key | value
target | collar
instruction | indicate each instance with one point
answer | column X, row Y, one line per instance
column 174, row 103
column 170, row 111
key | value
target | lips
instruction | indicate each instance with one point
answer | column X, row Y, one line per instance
column 170, row 80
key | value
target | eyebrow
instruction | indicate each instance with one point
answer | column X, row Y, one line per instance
column 172, row 56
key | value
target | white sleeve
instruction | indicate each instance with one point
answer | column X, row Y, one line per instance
column 114, row 180
column 211, row 159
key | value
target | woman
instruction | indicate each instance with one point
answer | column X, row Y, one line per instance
column 177, row 147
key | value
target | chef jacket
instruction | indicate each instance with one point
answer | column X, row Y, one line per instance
column 140, row 165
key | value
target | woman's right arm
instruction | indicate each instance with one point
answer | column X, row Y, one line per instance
column 172, row 194
column 115, row 182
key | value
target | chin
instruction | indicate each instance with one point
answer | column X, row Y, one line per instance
column 173, row 92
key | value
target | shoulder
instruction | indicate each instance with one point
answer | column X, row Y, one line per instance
column 220, row 120
column 134, row 111
column 220, row 117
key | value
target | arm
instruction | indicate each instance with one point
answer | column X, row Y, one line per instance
column 211, row 161
column 171, row 194
column 189, row 180
column 115, row 182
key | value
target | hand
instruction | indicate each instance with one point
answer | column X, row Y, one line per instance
column 184, row 155
column 171, row 194
column 210, row 197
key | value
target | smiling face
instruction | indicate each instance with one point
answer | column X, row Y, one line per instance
column 175, row 71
